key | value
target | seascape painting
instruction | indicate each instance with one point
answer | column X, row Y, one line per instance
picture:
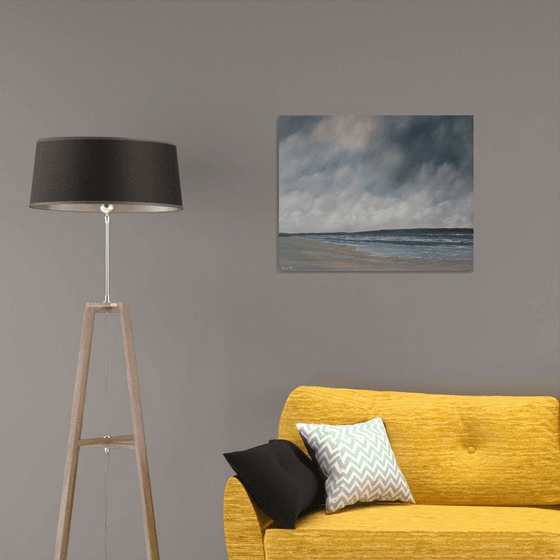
column 388, row 193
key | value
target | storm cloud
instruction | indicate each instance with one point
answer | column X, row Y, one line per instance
column 350, row 173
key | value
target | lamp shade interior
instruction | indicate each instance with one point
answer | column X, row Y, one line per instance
column 81, row 173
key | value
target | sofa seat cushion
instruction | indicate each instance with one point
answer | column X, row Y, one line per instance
column 400, row 530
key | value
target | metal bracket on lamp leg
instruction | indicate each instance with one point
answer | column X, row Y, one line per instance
column 75, row 442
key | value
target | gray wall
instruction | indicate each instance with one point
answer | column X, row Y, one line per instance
column 222, row 337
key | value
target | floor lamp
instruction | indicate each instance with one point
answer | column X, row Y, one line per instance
column 105, row 175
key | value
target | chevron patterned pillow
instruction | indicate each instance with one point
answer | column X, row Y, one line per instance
column 357, row 462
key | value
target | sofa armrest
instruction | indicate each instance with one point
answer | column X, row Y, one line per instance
column 244, row 523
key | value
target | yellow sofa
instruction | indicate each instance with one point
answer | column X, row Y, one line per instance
column 484, row 472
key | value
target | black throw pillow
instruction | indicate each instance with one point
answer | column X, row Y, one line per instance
column 281, row 479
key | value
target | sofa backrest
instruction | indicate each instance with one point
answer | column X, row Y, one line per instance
column 462, row 450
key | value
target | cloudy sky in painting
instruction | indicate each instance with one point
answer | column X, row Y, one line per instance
column 368, row 173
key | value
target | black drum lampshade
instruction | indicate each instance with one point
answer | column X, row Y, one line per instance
column 81, row 173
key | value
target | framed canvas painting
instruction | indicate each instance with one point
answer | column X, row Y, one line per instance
column 388, row 193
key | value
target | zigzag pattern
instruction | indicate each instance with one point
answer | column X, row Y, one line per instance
column 358, row 462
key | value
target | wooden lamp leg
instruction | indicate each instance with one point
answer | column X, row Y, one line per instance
column 72, row 450
column 76, row 420
column 139, row 439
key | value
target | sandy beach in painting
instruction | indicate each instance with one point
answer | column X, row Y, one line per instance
column 307, row 255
